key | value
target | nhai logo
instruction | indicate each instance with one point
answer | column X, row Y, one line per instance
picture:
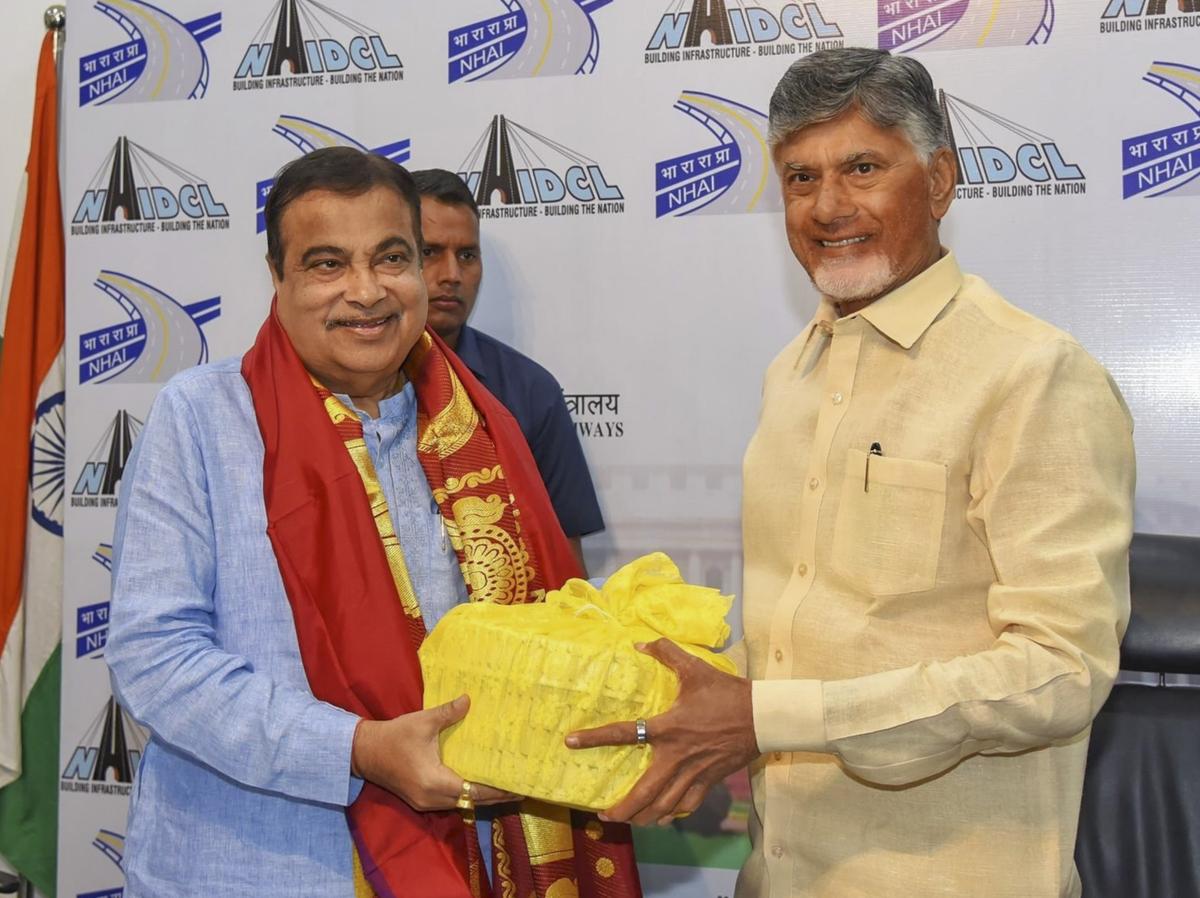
column 1166, row 161
column 736, row 30
column 304, row 43
column 138, row 191
column 307, row 135
column 106, row 756
column 1149, row 15
column 906, row 25
column 732, row 175
column 531, row 38
column 96, row 486
column 999, row 158
column 161, row 57
column 91, row 630
column 91, row 621
column 533, row 175
column 156, row 338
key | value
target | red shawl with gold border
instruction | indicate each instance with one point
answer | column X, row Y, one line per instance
column 359, row 624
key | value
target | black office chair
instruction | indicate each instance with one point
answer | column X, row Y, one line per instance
column 1139, row 826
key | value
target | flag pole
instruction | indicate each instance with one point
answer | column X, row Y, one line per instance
column 31, row 372
column 55, row 18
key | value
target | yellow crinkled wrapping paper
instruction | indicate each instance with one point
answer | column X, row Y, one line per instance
column 536, row 672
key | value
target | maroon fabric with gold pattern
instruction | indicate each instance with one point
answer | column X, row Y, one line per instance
column 357, row 630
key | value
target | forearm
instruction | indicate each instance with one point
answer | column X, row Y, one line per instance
column 1029, row 689
column 240, row 722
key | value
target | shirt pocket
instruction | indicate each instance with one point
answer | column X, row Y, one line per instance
column 887, row 538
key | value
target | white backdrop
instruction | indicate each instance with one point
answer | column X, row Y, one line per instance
column 614, row 112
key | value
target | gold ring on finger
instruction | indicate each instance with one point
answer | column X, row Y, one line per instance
column 465, row 800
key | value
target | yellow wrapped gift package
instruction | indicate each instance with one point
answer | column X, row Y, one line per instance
column 539, row 671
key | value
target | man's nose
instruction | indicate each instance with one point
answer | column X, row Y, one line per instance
column 833, row 202
column 363, row 286
column 451, row 270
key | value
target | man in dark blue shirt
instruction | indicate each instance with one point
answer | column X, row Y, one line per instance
column 453, row 271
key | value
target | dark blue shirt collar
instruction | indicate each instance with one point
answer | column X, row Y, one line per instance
column 468, row 351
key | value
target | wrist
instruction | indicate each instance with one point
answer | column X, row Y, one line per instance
column 360, row 748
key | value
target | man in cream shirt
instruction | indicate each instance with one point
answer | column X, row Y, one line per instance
column 936, row 519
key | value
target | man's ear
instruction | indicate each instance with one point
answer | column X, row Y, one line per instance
column 943, row 178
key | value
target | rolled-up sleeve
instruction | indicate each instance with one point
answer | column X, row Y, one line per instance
column 1052, row 479
column 168, row 667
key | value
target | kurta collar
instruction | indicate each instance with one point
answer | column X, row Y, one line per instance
column 906, row 313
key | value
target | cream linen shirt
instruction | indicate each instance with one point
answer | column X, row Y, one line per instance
column 931, row 635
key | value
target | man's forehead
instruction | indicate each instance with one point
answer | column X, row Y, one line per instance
column 448, row 217
column 328, row 211
column 329, row 225
column 322, row 203
column 843, row 139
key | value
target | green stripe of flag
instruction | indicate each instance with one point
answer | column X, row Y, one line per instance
column 29, row 806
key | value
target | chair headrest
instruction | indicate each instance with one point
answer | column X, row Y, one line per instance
column 1164, row 627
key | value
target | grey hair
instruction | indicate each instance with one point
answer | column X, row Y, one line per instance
column 891, row 91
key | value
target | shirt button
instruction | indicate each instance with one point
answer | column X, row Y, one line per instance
column 814, row 483
column 837, row 398
column 777, row 850
column 778, row 756
column 802, row 570
column 779, row 655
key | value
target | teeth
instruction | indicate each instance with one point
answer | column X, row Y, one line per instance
column 847, row 242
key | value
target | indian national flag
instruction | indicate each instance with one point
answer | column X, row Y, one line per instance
column 32, row 456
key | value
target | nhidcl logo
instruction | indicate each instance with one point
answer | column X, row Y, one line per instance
column 106, row 758
column 303, row 43
column 96, row 486
column 531, row 38
column 157, row 337
column 737, row 31
column 1149, row 15
column 906, row 25
column 1167, row 160
column 732, row 175
column 999, row 158
column 533, row 175
column 162, row 58
column 143, row 192
column 307, row 135
column 111, row 844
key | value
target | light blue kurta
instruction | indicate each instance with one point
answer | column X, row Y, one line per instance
column 242, row 787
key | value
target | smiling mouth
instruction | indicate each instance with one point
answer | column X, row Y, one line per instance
column 849, row 241
column 360, row 323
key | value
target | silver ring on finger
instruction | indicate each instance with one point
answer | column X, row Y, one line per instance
column 639, row 729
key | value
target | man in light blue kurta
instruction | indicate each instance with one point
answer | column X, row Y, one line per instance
column 246, row 774
column 246, row 785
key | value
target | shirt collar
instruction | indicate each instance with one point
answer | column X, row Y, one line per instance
column 398, row 407
column 468, row 350
column 906, row 313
